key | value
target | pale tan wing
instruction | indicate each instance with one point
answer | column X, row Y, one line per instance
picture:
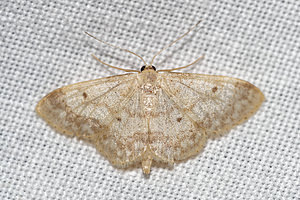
column 106, row 112
column 217, row 103
column 173, row 133
column 193, row 106
column 124, row 140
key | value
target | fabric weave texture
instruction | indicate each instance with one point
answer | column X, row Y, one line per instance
column 43, row 47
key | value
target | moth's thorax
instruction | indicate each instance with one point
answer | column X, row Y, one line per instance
column 148, row 76
column 148, row 80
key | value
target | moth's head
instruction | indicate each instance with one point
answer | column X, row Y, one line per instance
column 148, row 67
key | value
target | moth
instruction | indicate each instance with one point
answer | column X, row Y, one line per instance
column 150, row 115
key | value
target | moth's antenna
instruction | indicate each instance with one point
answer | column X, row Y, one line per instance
column 167, row 46
column 125, row 70
column 169, row 70
column 117, row 48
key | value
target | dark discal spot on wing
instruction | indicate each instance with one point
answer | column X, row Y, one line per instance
column 179, row 119
column 119, row 119
column 84, row 95
column 214, row 89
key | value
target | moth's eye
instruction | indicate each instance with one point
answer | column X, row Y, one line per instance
column 143, row 68
column 154, row 68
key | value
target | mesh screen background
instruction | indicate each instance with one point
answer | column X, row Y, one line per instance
column 43, row 47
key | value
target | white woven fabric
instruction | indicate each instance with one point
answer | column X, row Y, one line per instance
column 43, row 47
